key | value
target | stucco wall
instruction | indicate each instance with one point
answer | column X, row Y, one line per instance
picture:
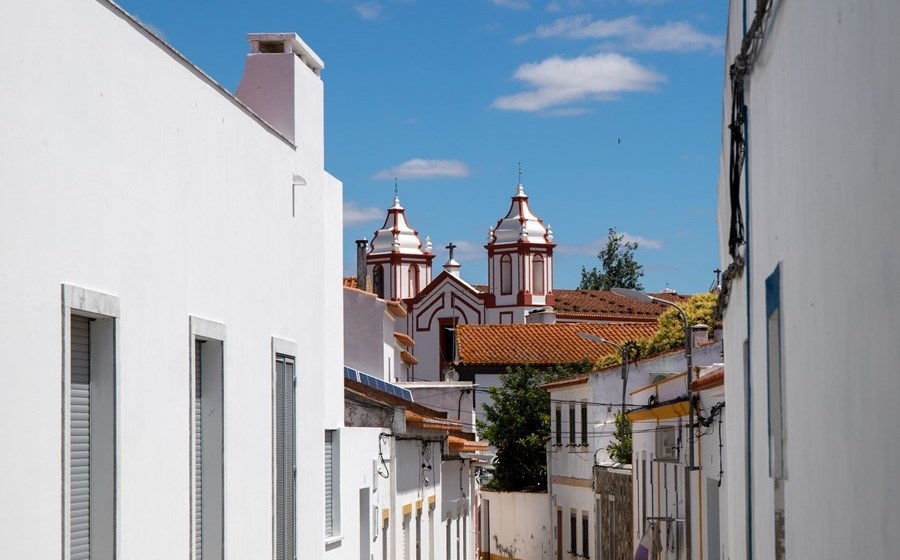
column 823, row 114
column 127, row 172
column 515, row 525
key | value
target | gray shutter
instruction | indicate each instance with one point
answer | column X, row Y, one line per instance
column 285, row 471
column 329, row 484
column 198, row 453
column 80, row 439
column 279, row 458
column 290, row 470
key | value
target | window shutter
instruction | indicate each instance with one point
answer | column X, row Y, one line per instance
column 80, row 439
column 284, row 458
column 198, row 452
column 329, row 483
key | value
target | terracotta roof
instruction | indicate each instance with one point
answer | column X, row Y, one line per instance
column 408, row 358
column 404, row 340
column 431, row 422
column 350, row 282
column 396, row 309
column 604, row 305
column 710, row 380
column 578, row 380
column 458, row 444
column 543, row 344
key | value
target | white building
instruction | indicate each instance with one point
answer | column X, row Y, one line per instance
column 583, row 411
column 812, row 314
column 408, row 452
column 661, row 464
column 171, row 260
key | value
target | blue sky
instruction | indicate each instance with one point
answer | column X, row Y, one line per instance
column 613, row 108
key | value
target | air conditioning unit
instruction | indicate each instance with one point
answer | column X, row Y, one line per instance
column 667, row 444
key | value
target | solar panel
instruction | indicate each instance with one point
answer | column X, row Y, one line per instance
column 381, row 385
column 350, row 373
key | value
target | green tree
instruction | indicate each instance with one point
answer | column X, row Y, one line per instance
column 617, row 266
column 518, row 424
column 620, row 448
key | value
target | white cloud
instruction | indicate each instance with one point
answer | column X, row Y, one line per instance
column 676, row 36
column 513, row 4
column 368, row 10
column 425, row 169
column 553, row 7
column 643, row 242
column 591, row 248
column 464, row 251
column 356, row 214
column 559, row 81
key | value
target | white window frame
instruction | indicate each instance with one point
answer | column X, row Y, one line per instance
column 214, row 436
column 284, row 349
column 104, row 508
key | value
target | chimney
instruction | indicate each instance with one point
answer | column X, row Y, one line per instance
column 699, row 334
column 282, row 84
column 545, row 315
column 361, row 264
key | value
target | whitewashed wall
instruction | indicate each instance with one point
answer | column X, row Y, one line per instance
column 519, row 525
column 127, row 172
column 824, row 110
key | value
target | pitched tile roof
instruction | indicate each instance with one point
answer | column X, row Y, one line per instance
column 543, row 344
column 604, row 305
column 713, row 379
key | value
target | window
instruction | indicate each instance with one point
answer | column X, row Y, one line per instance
column 559, row 424
column 537, row 275
column 584, row 425
column 572, row 425
column 89, row 333
column 378, row 280
column 573, row 532
column 505, row 275
column 448, row 340
column 777, row 431
column 774, row 374
column 207, row 430
column 584, row 536
column 285, row 457
column 332, row 495
column 413, row 280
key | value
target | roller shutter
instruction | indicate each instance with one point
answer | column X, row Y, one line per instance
column 285, row 471
column 80, row 439
column 198, row 452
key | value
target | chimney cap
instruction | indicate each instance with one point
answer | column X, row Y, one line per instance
column 291, row 40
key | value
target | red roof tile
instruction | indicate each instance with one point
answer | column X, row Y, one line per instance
column 543, row 344
column 604, row 305
column 710, row 380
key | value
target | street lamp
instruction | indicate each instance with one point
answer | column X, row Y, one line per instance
column 623, row 350
column 688, row 347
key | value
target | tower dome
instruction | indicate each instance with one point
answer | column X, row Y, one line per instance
column 396, row 263
column 520, row 261
column 520, row 224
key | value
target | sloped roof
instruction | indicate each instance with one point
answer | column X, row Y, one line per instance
column 605, row 305
column 715, row 378
column 543, row 344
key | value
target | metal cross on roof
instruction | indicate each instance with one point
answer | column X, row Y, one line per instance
column 450, row 248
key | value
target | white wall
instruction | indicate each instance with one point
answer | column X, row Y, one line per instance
column 519, row 525
column 127, row 172
column 823, row 110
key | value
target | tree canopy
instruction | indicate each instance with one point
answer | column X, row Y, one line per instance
column 617, row 266
column 518, row 424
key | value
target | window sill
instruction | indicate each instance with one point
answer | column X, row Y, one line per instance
column 331, row 542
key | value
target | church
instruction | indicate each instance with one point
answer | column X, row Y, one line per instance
column 397, row 266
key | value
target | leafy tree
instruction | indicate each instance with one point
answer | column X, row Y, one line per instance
column 617, row 266
column 518, row 424
column 620, row 448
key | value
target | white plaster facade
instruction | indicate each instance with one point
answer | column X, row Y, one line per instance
column 659, row 495
column 819, row 199
column 136, row 191
column 570, row 463
column 514, row 525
